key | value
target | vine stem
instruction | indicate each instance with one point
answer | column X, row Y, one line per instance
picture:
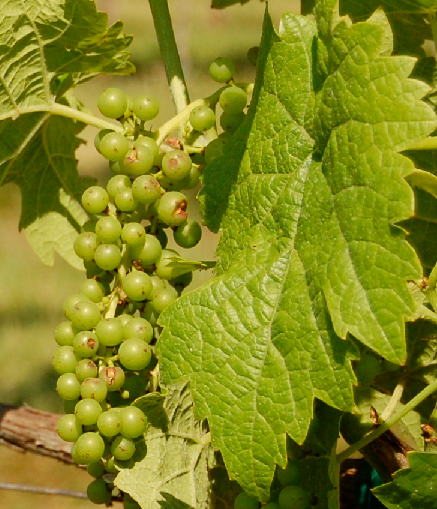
column 169, row 53
column 41, row 490
column 388, row 423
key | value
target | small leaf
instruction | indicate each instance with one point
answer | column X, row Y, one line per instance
column 174, row 473
column 414, row 487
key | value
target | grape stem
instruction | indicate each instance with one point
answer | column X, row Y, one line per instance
column 169, row 53
column 369, row 437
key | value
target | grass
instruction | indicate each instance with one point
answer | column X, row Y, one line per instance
column 31, row 294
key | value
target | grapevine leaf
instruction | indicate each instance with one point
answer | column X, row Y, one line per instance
column 414, row 487
column 174, row 473
column 45, row 53
column 306, row 196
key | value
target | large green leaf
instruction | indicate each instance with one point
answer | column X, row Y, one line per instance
column 175, row 471
column 306, row 198
column 44, row 53
column 414, row 487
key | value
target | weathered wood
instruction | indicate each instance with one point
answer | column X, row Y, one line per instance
column 28, row 429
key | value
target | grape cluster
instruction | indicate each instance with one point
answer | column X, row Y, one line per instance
column 105, row 357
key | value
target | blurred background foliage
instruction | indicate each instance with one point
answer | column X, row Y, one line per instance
column 31, row 294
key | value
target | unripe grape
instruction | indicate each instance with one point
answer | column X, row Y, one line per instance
column 116, row 183
column 89, row 448
column 109, row 332
column 125, row 201
column 139, row 328
column 215, row 148
column 113, row 377
column 68, row 386
column 133, row 234
column 134, row 354
column 87, row 411
column 188, row 235
column 133, row 422
column 64, row 334
column 164, row 266
column 294, row 497
column 245, row 501
column 233, row 100
column 96, row 469
column 137, row 286
column 108, row 229
column 230, row 122
column 107, row 257
column 86, row 344
column 69, row 428
column 93, row 290
column 252, row 55
column 114, row 146
column 109, row 422
column 93, row 388
column 138, row 161
column 98, row 492
column 64, row 360
column 176, row 164
column 202, row 118
column 163, row 298
column 172, row 208
column 148, row 253
column 146, row 189
column 146, row 107
column 85, row 245
column 95, row 199
column 148, row 142
column 123, row 448
column 85, row 315
column 112, row 103
column 222, row 69
column 86, row 368
column 98, row 137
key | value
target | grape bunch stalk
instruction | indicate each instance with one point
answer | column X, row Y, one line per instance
column 105, row 359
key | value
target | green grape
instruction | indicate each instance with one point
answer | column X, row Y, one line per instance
column 137, row 286
column 85, row 315
column 89, row 448
column 215, row 148
column 130, row 503
column 68, row 386
column 64, row 334
column 133, row 422
column 233, row 100
column 109, row 332
column 148, row 142
column 70, row 303
column 134, row 354
column 93, row 388
column 116, row 168
column 158, row 284
column 138, row 161
column 291, row 474
column 188, row 235
column 112, row 103
column 108, row 230
column 367, row 368
column 69, row 428
column 163, row 298
column 125, row 201
column 85, row 245
column 98, row 137
column 139, row 328
column 252, row 55
column 93, row 290
column 133, row 234
column 114, row 146
column 98, row 493
column 170, row 184
column 164, row 266
column 176, row 164
column 294, row 497
column 87, row 411
column 222, row 69
column 172, row 208
column 193, row 179
column 202, row 118
column 122, row 448
column 64, row 360
column 109, row 422
column 96, row 469
column 230, row 122
column 86, row 368
column 107, row 256
column 85, row 344
column 146, row 107
column 95, row 199
column 111, row 467
column 113, row 377
column 116, row 183
column 245, row 501
column 146, row 254
column 146, row 189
